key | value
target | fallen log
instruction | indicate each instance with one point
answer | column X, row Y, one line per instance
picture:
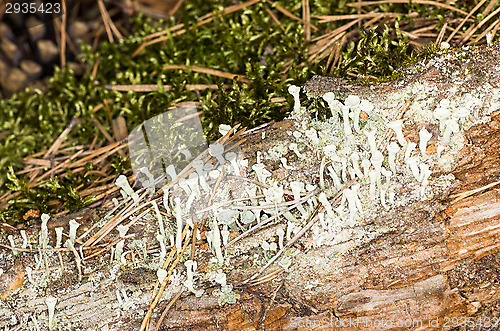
column 423, row 258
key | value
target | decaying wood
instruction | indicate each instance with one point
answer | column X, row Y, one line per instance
column 429, row 265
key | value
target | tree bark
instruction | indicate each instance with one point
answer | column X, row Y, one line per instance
column 427, row 265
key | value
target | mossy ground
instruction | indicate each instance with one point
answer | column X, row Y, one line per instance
column 247, row 42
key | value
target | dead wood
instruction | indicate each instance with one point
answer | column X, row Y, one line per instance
column 432, row 263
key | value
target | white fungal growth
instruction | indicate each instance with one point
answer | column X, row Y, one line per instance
column 178, row 217
column 397, row 127
column 189, row 283
column 355, row 164
column 216, row 243
column 224, row 129
column 355, row 188
column 187, row 154
column 25, row 240
column 170, row 170
column 216, row 151
column 289, row 229
column 393, row 149
column 444, row 45
column 295, row 148
column 184, row 185
column 365, row 164
column 231, row 157
column 59, row 231
column 328, row 207
column 335, row 105
column 426, row 172
column 345, row 117
column 352, row 101
column 247, row 216
column 281, row 234
column 366, row 106
column 312, row 134
column 442, row 113
column 214, row 174
column 73, row 226
column 44, row 235
column 439, row 150
column 335, row 177
column 409, row 149
column 489, row 37
column 261, row 172
column 198, row 166
column 425, row 136
column 29, row 273
column 284, row 162
column 274, row 194
column 388, row 175
column 51, row 305
column 122, row 182
column 225, row 234
column 151, row 180
column 350, row 195
column 355, row 117
column 193, row 184
column 221, row 279
column 377, row 159
column 11, row 240
column 296, row 188
column 321, row 172
column 159, row 218
column 122, row 230
column 344, row 169
column 163, row 249
column 451, row 127
column 373, row 184
column 370, row 135
column 190, row 268
column 161, row 274
column 412, row 163
column 295, row 92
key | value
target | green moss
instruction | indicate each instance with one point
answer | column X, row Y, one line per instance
column 246, row 42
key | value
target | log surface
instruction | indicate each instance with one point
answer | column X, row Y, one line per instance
column 433, row 263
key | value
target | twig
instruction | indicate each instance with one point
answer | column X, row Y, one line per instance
column 203, row 20
column 486, row 19
column 423, row 2
column 441, row 33
column 274, row 18
column 465, row 20
column 167, row 308
column 63, row 35
column 267, row 278
column 306, row 16
column 208, row 71
column 464, row 195
column 273, row 297
column 176, row 7
column 102, row 9
column 155, row 88
column 145, row 321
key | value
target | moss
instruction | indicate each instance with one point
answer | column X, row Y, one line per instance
column 246, row 42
